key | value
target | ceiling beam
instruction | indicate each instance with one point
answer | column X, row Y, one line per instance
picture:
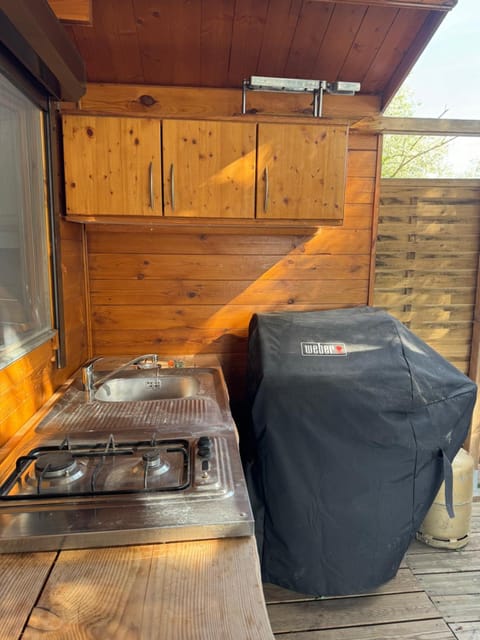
column 429, row 5
column 73, row 11
column 417, row 126
column 33, row 35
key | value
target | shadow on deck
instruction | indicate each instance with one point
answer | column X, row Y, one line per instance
column 434, row 596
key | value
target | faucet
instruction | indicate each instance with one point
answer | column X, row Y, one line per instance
column 89, row 384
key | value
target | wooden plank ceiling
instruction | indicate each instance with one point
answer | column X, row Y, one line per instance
column 218, row 43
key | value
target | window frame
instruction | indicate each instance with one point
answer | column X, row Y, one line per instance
column 32, row 90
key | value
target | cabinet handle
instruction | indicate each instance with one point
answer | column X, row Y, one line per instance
column 172, row 187
column 265, row 200
column 150, row 184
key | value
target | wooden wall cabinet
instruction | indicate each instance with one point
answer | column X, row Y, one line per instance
column 112, row 166
column 207, row 169
column 301, row 171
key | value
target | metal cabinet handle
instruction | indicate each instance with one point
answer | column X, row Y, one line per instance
column 265, row 200
column 150, row 184
column 172, row 187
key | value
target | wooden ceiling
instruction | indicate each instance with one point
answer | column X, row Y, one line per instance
column 218, row 43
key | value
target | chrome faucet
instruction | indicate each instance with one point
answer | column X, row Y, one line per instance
column 90, row 384
column 87, row 373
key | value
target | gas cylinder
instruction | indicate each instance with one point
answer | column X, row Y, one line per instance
column 438, row 529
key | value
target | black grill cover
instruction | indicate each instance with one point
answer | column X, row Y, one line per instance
column 354, row 421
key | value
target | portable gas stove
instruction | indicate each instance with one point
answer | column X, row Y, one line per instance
column 93, row 488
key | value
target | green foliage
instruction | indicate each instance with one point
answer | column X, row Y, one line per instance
column 413, row 156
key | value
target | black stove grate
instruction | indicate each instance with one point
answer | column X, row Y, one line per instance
column 100, row 454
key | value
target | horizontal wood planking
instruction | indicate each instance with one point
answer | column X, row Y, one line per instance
column 444, row 562
column 443, row 584
column 431, row 280
column 346, row 612
column 403, row 582
column 466, row 630
column 225, row 318
column 165, row 101
column 202, row 300
column 416, row 242
column 324, row 241
column 417, row 630
column 236, row 292
column 459, row 608
column 446, row 590
column 453, row 212
column 361, row 163
column 431, row 190
column 426, row 297
column 426, row 260
column 452, row 580
column 408, row 260
column 173, row 341
column 25, row 386
column 418, row 126
column 294, row 267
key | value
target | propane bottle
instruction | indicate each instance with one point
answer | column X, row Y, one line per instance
column 438, row 529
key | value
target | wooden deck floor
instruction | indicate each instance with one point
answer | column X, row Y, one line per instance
column 435, row 596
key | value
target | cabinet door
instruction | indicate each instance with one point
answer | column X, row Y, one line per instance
column 112, row 165
column 209, row 168
column 301, row 171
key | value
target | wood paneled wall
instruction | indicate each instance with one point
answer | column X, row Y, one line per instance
column 173, row 291
column 29, row 382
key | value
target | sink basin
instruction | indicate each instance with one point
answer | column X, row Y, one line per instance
column 162, row 387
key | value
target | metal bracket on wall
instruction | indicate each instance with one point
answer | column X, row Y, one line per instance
column 296, row 85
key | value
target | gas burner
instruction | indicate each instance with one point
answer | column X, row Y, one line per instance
column 54, row 468
column 153, row 461
column 55, row 464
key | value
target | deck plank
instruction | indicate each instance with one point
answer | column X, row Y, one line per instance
column 351, row 612
column 404, row 581
column 442, row 562
column 465, row 631
column 459, row 608
column 23, row 576
column 448, row 584
column 417, row 630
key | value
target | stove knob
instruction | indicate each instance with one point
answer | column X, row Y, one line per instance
column 204, row 452
column 204, row 441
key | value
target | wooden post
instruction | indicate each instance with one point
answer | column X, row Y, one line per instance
column 473, row 440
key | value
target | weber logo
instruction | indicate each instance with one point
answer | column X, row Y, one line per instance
column 323, row 349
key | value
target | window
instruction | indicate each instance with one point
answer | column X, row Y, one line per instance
column 25, row 299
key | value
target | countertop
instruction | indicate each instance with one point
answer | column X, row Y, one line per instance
column 202, row 590
column 199, row 590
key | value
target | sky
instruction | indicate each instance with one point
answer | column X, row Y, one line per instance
column 447, row 76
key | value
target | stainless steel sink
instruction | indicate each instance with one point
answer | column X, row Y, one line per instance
column 159, row 387
column 124, row 398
